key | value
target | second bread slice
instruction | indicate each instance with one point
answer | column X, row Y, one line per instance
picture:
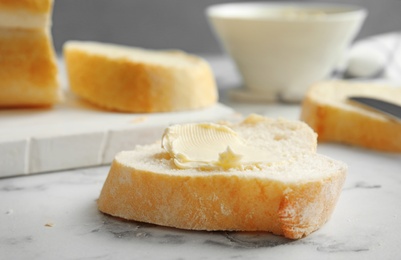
column 131, row 79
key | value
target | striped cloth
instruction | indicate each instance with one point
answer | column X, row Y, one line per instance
column 377, row 57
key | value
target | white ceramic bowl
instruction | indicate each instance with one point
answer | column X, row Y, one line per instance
column 281, row 48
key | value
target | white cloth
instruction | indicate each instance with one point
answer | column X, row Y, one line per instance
column 375, row 57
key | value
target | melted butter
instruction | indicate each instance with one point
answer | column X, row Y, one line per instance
column 228, row 159
column 211, row 146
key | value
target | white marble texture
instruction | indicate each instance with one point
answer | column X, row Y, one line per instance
column 54, row 216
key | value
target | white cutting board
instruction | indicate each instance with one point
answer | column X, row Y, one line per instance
column 75, row 134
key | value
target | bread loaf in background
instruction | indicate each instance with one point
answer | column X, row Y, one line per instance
column 27, row 14
column 292, row 196
column 333, row 117
column 132, row 79
column 28, row 68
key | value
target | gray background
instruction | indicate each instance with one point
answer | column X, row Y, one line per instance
column 181, row 24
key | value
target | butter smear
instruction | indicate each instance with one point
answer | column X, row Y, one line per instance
column 210, row 146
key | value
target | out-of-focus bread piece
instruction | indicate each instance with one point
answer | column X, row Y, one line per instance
column 132, row 79
column 28, row 72
column 28, row 67
column 328, row 111
column 29, row 14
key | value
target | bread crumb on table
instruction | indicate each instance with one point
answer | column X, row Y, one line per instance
column 139, row 119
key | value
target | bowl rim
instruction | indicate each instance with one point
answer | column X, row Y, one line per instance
column 350, row 11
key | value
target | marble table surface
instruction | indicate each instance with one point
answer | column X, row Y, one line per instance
column 54, row 216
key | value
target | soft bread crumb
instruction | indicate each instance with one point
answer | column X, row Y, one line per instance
column 139, row 119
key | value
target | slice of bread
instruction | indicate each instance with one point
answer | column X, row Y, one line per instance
column 328, row 111
column 28, row 14
column 28, row 67
column 292, row 197
column 131, row 79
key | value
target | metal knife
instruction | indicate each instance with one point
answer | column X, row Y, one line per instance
column 387, row 108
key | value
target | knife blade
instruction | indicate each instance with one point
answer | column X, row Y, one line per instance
column 390, row 109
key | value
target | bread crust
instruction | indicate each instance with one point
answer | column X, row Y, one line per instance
column 128, row 86
column 237, row 202
column 28, row 69
column 305, row 208
column 220, row 202
column 338, row 124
